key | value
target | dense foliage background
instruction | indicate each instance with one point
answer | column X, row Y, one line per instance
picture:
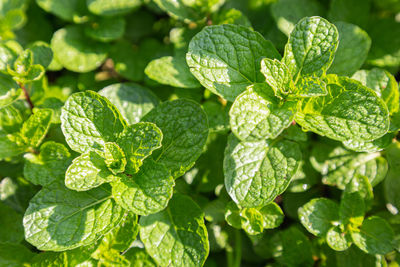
column 172, row 133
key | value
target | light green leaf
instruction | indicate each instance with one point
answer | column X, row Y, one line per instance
column 172, row 71
column 288, row 12
column 145, row 192
column 71, row 10
column 75, row 51
column 352, row 209
column 106, row 29
column 9, row 90
column 217, row 58
column 272, row 214
column 114, row 157
column 277, row 76
column 361, row 185
column 319, row 215
column 338, row 240
column 11, row 145
column 89, row 120
column 138, row 141
column 87, row 171
column 350, row 111
column 15, row 255
column 132, row 100
column 59, row 219
column 257, row 172
column 311, row 47
column 138, row 257
column 176, row 236
column 11, row 230
column 252, row 221
column 185, row 130
column 76, row 257
column 36, row 127
column 230, row 16
column 374, row 237
column 9, row 54
column 392, row 181
column 232, row 215
column 112, row 8
column 370, row 146
column 42, row 53
column 257, row 114
column 309, row 86
column 354, row 44
column 49, row 165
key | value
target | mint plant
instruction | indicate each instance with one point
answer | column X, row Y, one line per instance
column 199, row 133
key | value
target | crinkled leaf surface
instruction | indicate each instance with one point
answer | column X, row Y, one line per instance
column 226, row 58
column 89, row 120
column 276, row 75
column 176, row 236
column 338, row 240
column 257, row 114
column 257, row 172
column 147, row 191
column 9, row 90
column 132, row 100
column 185, row 130
column 42, row 53
column 36, row 127
column 115, row 159
column 309, row 86
column 59, row 219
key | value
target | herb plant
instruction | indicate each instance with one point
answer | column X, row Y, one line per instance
column 199, row 133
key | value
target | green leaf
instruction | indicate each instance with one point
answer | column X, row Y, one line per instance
column 230, row 16
column 11, row 230
column 311, row 47
column 392, row 181
column 309, row 86
column 15, row 255
column 138, row 141
column 116, row 7
column 319, row 215
column 106, row 29
column 218, row 117
column 257, row 172
column 185, row 130
column 217, row 58
column 36, row 127
column 350, row 111
column 75, row 257
column 49, row 165
column 361, row 185
column 354, row 44
column 9, row 90
column 252, row 221
column 59, row 219
column 232, row 215
column 272, row 214
column 11, row 145
column 132, row 100
column 87, row 171
column 71, row 10
column 22, row 63
column 114, row 158
column 257, row 114
column 138, row 257
column 375, row 236
column 42, row 53
column 75, row 51
column 338, row 240
column 352, row 209
column 288, row 12
column 89, row 120
column 9, row 54
column 172, row 71
column 176, row 236
column 370, row 146
column 353, row 11
column 277, row 76
column 145, row 192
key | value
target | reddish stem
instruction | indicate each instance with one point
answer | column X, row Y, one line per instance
column 28, row 99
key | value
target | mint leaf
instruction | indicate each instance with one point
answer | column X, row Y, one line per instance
column 180, row 238
column 49, row 165
column 217, row 58
column 36, row 127
column 114, row 158
column 106, row 29
column 42, row 53
column 309, row 86
column 277, row 75
column 11, row 230
column 185, row 130
column 9, row 90
column 257, row 172
column 272, row 214
column 174, row 72
column 138, row 141
column 139, row 257
column 87, row 171
column 15, row 255
column 75, row 257
column 147, row 191
column 361, row 185
column 83, row 217
column 116, row 7
column 257, row 114
column 71, row 10
column 350, row 111
column 370, row 146
column 352, row 209
column 75, row 51
column 132, row 100
column 11, row 145
column 319, row 215
column 338, row 240
column 89, row 120
column 311, row 47
column 374, row 237
column 354, row 45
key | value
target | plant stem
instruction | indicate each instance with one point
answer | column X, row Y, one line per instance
column 28, row 99
column 234, row 256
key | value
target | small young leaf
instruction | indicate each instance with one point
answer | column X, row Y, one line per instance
column 338, row 240
column 36, row 127
column 257, row 172
column 257, row 114
column 360, row 184
column 42, row 53
column 252, row 221
column 272, row 214
column 147, row 191
column 89, row 120
column 319, row 215
column 114, row 157
column 309, row 86
column 375, row 236
column 9, row 90
column 176, row 236
column 277, row 76
column 352, row 209
column 226, row 58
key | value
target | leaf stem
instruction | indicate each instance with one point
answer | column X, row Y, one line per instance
column 234, row 256
column 28, row 99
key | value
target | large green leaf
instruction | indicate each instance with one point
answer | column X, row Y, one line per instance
column 257, row 172
column 226, row 58
column 89, row 120
column 59, row 219
column 176, row 236
column 15, row 255
column 185, row 130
